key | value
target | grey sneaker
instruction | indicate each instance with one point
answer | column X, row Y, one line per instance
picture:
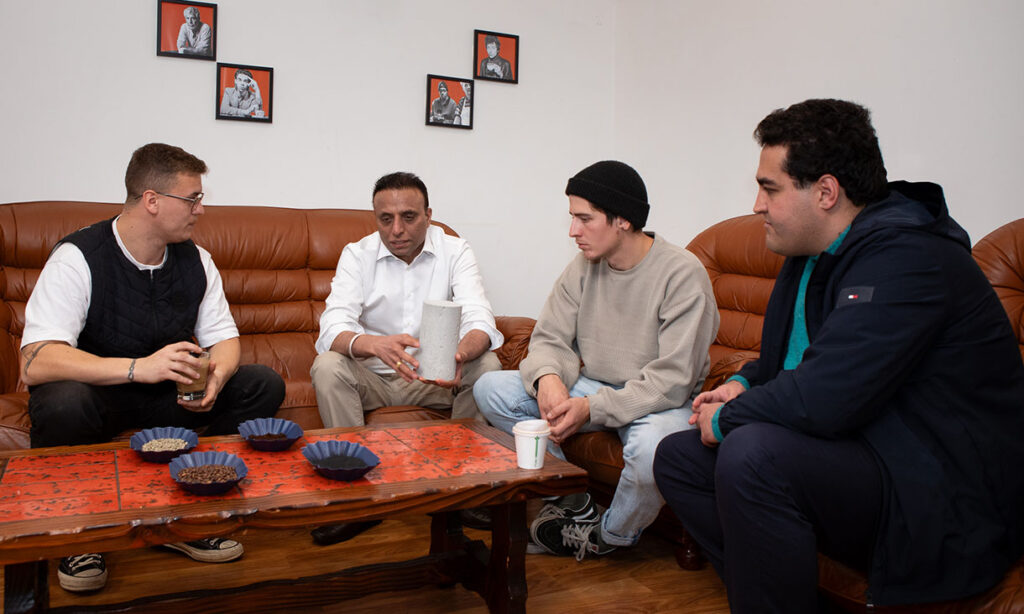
column 83, row 572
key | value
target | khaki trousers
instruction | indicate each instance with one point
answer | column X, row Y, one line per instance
column 345, row 389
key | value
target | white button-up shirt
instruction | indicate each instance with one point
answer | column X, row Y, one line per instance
column 374, row 292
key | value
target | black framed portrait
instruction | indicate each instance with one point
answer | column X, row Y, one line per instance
column 449, row 102
column 244, row 92
column 496, row 56
column 186, row 29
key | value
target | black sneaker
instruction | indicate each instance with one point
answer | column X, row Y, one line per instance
column 84, row 572
column 584, row 538
column 565, row 527
column 209, row 550
column 476, row 518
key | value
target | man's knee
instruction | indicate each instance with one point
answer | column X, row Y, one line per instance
column 331, row 368
column 64, row 413
column 262, row 381
column 491, row 390
column 746, row 454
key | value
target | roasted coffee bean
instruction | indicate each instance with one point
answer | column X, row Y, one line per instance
column 207, row 474
column 269, row 437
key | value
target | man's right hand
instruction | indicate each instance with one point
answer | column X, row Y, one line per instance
column 550, row 392
column 390, row 350
column 723, row 394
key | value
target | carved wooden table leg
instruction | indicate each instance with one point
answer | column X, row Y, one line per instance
column 25, row 588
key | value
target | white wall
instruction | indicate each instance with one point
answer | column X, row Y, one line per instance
column 672, row 87
column 83, row 87
column 943, row 78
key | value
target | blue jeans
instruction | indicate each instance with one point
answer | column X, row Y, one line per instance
column 503, row 401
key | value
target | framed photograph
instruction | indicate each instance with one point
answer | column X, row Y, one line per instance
column 449, row 102
column 186, row 29
column 244, row 92
column 496, row 56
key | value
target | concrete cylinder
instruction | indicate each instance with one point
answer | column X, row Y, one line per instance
column 439, row 339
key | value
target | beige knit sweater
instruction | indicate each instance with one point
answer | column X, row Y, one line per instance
column 646, row 329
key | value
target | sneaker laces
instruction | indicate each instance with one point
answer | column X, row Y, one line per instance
column 80, row 562
column 577, row 536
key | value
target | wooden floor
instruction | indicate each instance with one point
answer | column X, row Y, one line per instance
column 640, row 579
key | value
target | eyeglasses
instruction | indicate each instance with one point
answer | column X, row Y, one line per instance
column 194, row 201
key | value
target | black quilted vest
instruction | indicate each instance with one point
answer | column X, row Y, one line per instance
column 134, row 313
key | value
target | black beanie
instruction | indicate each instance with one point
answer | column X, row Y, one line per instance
column 614, row 187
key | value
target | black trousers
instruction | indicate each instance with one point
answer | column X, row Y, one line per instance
column 763, row 503
column 72, row 413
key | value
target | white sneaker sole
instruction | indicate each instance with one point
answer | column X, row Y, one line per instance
column 77, row 584
column 207, row 556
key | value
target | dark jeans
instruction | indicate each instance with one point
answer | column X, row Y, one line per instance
column 764, row 502
column 72, row 413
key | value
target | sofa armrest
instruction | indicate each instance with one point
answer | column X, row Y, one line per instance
column 517, row 331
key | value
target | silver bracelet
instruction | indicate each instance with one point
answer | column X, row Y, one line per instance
column 351, row 341
column 131, row 370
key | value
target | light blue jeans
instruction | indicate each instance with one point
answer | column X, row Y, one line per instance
column 503, row 401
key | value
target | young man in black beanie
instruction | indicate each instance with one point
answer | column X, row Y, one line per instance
column 640, row 314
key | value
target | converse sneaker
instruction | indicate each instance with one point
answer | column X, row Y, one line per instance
column 209, row 550
column 84, row 572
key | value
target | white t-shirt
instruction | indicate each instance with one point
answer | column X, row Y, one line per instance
column 59, row 304
column 374, row 292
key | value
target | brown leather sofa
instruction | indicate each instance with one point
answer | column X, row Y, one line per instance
column 276, row 264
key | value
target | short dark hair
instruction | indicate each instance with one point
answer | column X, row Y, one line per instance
column 244, row 71
column 155, row 166
column 828, row 136
column 490, row 38
column 400, row 181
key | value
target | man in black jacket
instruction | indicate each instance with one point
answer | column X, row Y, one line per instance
column 881, row 424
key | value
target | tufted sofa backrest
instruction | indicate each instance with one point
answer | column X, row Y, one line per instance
column 1000, row 254
column 742, row 273
column 276, row 263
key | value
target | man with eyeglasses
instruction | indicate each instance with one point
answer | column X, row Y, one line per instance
column 112, row 325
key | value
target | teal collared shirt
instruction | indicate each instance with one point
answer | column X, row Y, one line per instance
column 799, row 340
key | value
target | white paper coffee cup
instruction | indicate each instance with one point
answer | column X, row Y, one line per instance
column 531, row 442
column 439, row 339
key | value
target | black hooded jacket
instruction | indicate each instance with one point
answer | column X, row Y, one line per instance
column 911, row 352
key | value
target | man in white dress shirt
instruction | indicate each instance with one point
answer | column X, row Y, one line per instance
column 370, row 327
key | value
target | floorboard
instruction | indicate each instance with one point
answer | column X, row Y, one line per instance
column 640, row 579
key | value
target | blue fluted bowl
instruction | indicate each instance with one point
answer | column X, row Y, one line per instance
column 163, row 432
column 318, row 452
column 197, row 459
column 269, row 426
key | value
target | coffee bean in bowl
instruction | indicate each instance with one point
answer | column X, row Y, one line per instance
column 208, row 473
column 270, row 434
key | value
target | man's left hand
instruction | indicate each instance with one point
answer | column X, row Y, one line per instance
column 454, row 382
column 702, row 418
column 567, row 417
column 214, row 383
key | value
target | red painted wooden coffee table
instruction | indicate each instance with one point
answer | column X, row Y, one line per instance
column 60, row 501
